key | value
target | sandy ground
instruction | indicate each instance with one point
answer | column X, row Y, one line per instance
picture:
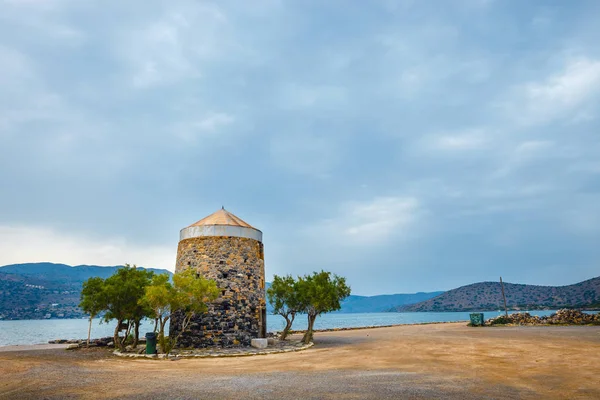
column 446, row 361
column 33, row 347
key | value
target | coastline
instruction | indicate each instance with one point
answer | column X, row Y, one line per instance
column 29, row 332
column 510, row 310
column 51, row 346
column 439, row 360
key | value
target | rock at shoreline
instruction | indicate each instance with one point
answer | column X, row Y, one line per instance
column 561, row 317
column 58, row 341
column 100, row 342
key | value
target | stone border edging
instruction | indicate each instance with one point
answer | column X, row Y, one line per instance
column 217, row 355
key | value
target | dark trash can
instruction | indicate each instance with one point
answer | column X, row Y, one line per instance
column 150, row 343
column 476, row 319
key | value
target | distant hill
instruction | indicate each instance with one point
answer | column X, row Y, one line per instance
column 382, row 303
column 46, row 290
column 488, row 296
column 378, row 303
column 64, row 273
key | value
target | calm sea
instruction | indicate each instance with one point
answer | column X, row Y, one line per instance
column 40, row 331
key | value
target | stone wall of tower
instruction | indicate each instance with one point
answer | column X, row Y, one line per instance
column 237, row 266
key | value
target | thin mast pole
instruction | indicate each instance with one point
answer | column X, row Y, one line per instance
column 504, row 297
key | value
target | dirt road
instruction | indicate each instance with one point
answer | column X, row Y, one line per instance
column 449, row 361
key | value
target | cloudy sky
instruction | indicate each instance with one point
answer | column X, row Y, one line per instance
column 407, row 145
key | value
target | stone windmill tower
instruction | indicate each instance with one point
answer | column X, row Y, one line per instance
column 228, row 250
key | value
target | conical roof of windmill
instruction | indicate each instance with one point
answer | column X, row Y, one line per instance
column 222, row 217
column 221, row 223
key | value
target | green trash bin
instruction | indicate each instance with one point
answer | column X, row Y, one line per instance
column 150, row 343
column 476, row 319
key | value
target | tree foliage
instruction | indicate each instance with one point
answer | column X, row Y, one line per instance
column 93, row 300
column 320, row 293
column 283, row 295
column 188, row 295
column 123, row 292
column 160, row 297
column 193, row 291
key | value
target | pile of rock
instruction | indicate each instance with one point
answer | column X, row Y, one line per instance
column 572, row 317
column 515, row 319
column 561, row 317
column 100, row 342
column 64, row 341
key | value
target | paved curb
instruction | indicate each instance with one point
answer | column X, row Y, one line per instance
column 214, row 355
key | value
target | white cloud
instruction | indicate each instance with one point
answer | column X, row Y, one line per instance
column 374, row 221
column 470, row 142
column 19, row 244
column 572, row 86
column 380, row 217
column 560, row 95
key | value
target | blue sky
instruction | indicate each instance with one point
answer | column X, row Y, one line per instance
column 407, row 145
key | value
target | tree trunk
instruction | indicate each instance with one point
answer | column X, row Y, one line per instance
column 184, row 324
column 308, row 336
column 116, row 335
column 136, row 333
column 127, row 332
column 155, row 324
column 288, row 326
column 89, row 331
column 122, row 342
column 164, row 347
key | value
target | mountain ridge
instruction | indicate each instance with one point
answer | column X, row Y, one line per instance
column 47, row 290
column 51, row 290
column 56, row 271
column 488, row 296
column 383, row 302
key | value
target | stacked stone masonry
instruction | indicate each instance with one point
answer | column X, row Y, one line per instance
column 239, row 314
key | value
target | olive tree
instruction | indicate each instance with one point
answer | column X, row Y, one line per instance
column 187, row 296
column 123, row 292
column 320, row 293
column 159, row 297
column 93, row 300
column 192, row 292
column 283, row 296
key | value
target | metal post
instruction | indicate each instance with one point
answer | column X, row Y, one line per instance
column 504, row 297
